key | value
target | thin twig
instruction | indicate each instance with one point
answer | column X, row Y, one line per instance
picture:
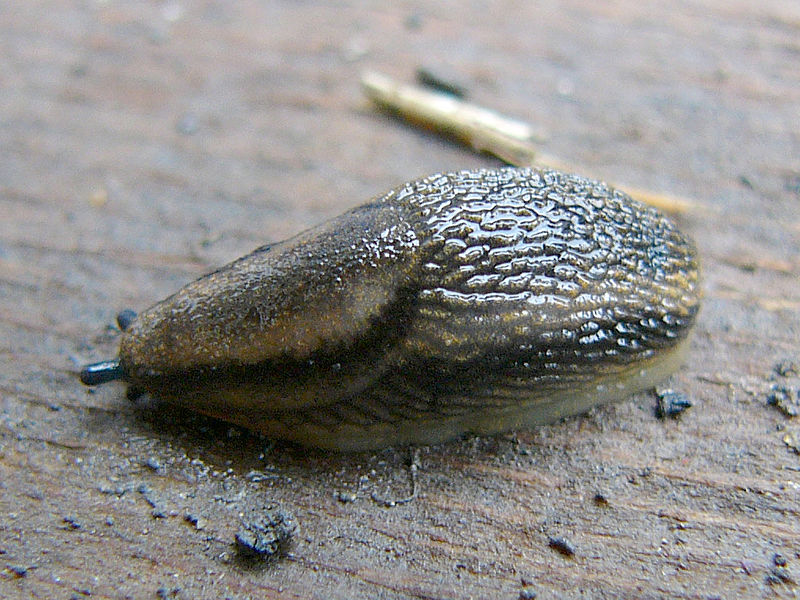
column 482, row 129
column 485, row 130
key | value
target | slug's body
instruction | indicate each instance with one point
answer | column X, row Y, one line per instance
column 476, row 301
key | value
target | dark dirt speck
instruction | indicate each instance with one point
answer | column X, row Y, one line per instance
column 561, row 545
column 266, row 534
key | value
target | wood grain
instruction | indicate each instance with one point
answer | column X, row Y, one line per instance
column 144, row 143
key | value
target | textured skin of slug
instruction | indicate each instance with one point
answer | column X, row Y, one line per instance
column 475, row 301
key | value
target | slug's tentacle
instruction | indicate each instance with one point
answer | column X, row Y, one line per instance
column 469, row 301
column 101, row 372
column 125, row 318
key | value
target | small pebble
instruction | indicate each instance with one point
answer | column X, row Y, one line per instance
column 198, row 522
column 561, row 545
column 670, row 403
column 266, row 535
column 792, row 440
column 785, row 398
column 344, row 497
column 779, row 574
column 19, row 570
column 787, row 368
column 153, row 464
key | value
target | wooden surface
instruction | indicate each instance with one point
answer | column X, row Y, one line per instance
column 143, row 143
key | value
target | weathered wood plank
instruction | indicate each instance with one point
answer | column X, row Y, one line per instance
column 144, row 143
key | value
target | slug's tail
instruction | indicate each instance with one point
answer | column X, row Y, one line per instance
column 101, row 372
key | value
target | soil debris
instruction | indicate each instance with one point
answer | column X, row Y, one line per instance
column 671, row 404
column 267, row 534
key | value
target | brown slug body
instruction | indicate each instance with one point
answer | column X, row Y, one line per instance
column 476, row 301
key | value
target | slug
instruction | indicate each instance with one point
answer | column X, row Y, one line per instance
column 474, row 301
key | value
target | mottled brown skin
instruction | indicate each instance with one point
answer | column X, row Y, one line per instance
column 471, row 301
